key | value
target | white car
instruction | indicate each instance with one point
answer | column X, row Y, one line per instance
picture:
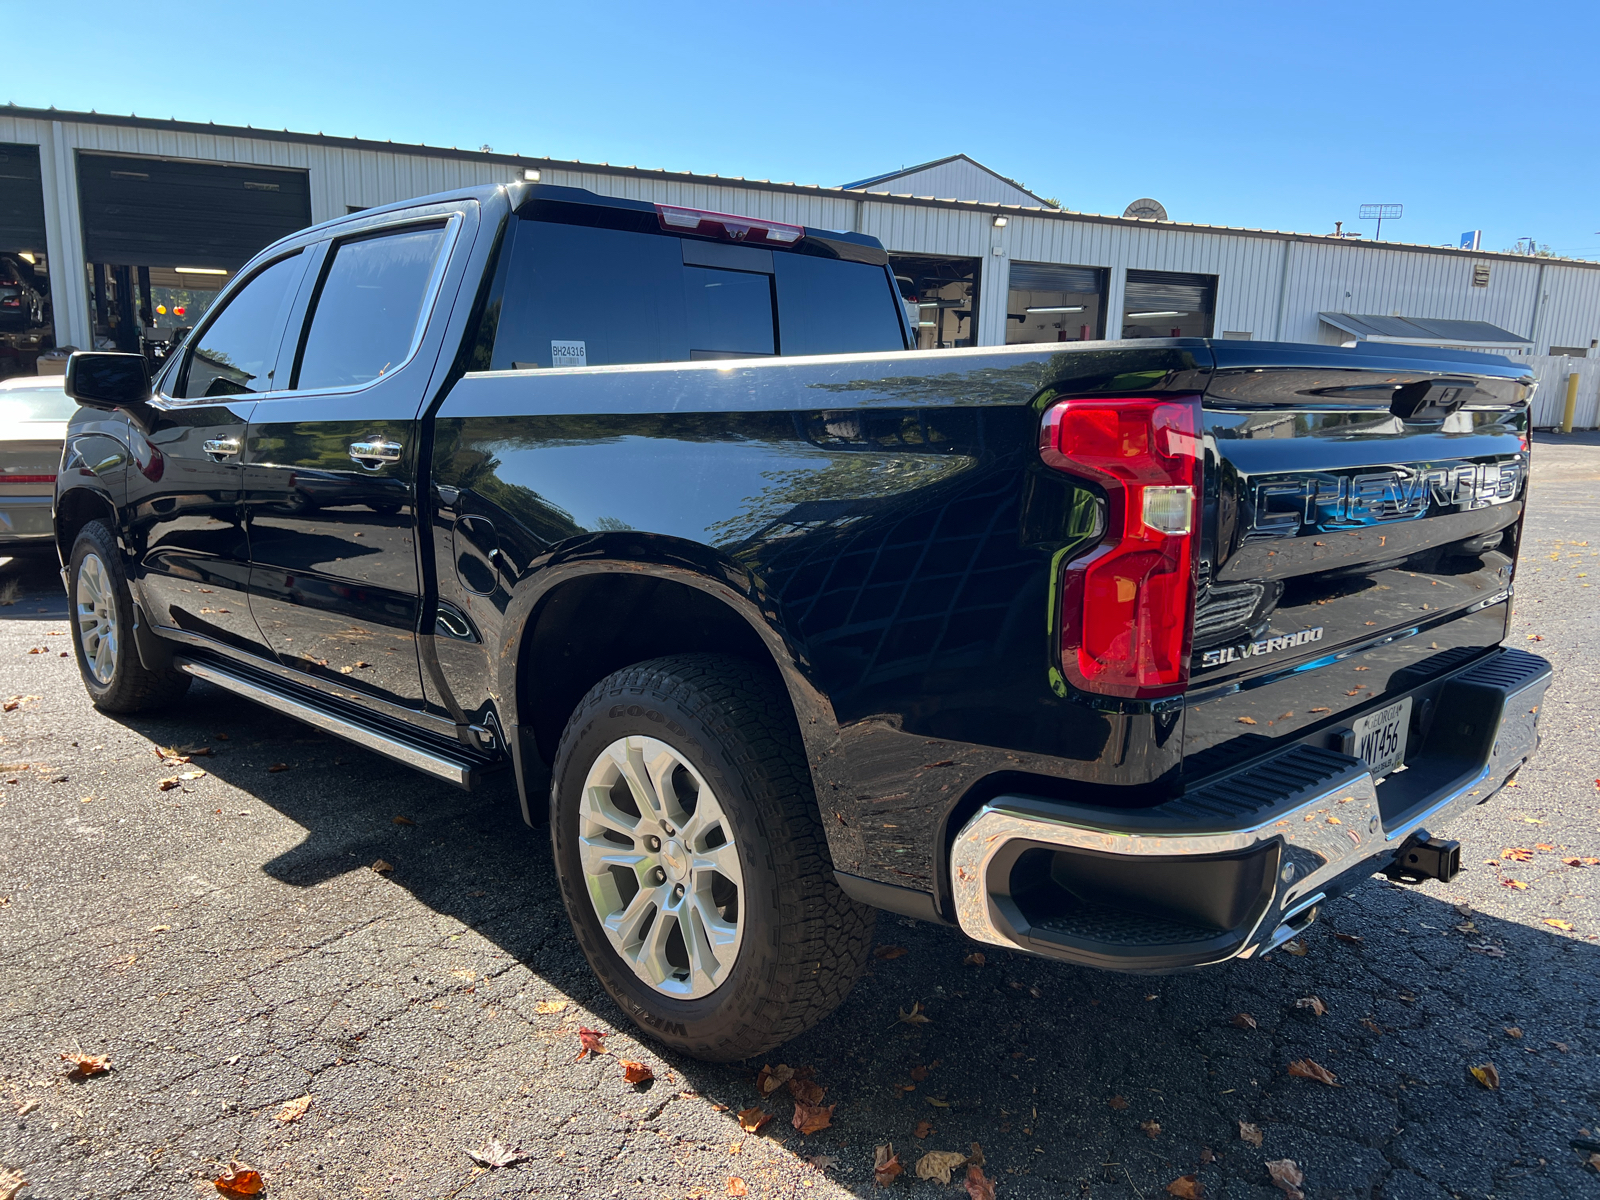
column 33, row 425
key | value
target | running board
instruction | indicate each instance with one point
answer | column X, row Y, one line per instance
column 461, row 770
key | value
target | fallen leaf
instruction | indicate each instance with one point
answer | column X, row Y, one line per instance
column 1558, row 923
column 975, row 1158
column 919, row 1073
column 1371, row 1024
column 1118, row 1103
column 923, row 1129
column 1315, row 1004
column 1350, row 939
column 238, row 1180
column 550, row 1006
column 886, row 1165
column 936, row 1102
column 635, row 1072
column 404, row 821
column 1517, row 854
column 1286, row 1174
column 822, row 1161
column 979, row 1185
column 166, row 785
column 1297, row 947
column 276, row 767
column 1250, row 1133
column 914, row 1017
column 1561, row 1046
column 494, row 1155
column 292, row 1110
column 463, row 973
column 1243, row 1021
column 590, row 1041
column 1514, row 883
column 888, row 952
column 23, row 1109
column 937, row 1164
column 1305, row 1068
column 1245, row 720
column 806, row 1091
column 1572, row 862
column 1486, row 949
column 381, row 866
column 1207, row 1154
column 85, row 1065
column 1513, row 1031
column 812, row 1118
column 1188, row 1187
column 736, row 1186
column 11, row 1182
column 1152, row 1129
column 1486, row 1075
column 770, row 1079
column 976, row 958
column 1321, row 710
column 752, row 1119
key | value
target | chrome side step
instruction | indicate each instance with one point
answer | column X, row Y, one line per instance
column 459, row 770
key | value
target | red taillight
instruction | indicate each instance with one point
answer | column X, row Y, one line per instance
column 27, row 478
column 751, row 231
column 1127, row 607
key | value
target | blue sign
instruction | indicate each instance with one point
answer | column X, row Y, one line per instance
column 1471, row 239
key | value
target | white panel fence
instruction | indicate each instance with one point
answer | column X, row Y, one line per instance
column 1550, row 399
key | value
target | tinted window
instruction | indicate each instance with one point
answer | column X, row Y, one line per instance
column 603, row 295
column 827, row 306
column 730, row 312
column 368, row 307
column 235, row 354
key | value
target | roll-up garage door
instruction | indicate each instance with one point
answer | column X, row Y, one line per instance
column 1168, row 304
column 21, row 200
column 163, row 212
column 1052, row 277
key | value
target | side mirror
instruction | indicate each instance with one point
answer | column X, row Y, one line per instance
column 107, row 381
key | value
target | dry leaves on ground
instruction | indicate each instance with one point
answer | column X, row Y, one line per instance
column 636, row 1072
column 1250, row 1133
column 736, row 1186
column 914, row 1016
column 976, row 958
column 11, row 1182
column 1559, row 924
column 888, row 952
column 404, row 821
column 1186, row 1187
column 920, row 1073
column 1297, row 947
column 1369, row 1023
column 493, row 1154
column 382, row 867
column 276, row 767
column 1517, row 854
column 239, row 1179
column 1305, row 1068
column 85, row 1065
column 1350, row 939
column 292, row 1110
column 770, row 1079
column 807, row 1091
column 591, row 1042
column 1243, row 1021
column 16, row 702
column 937, row 1164
column 1513, row 1031
column 752, row 1119
column 1118, row 1103
column 1152, row 1129
column 1486, row 1075
column 812, row 1118
column 979, row 1185
column 822, row 1161
column 1314, row 1003
column 923, row 1129
column 1286, row 1174
column 886, row 1165
column 550, row 1006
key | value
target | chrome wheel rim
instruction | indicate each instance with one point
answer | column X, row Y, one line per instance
column 661, row 867
column 97, row 619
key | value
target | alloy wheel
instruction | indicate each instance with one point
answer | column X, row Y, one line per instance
column 97, row 618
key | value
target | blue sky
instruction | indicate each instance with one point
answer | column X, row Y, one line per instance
column 1283, row 116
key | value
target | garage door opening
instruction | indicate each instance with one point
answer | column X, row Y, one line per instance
column 941, row 298
column 1160, row 304
column 27, row 325
column 162, row 237
column 1053, row 303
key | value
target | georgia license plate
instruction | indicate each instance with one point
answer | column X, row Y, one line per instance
column 1380, row 737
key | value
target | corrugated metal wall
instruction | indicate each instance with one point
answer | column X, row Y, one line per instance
column 1270, row 286
column 955, row 180
column 1550, row 397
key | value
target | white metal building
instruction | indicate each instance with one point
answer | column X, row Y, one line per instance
column 91, row 203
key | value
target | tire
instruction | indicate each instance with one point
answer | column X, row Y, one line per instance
column 714, row 727
column 102, row 630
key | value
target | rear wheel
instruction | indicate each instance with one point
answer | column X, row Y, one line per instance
column 692, row 861
column 102, row 630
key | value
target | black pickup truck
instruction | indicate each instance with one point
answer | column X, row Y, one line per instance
column 1131, row 654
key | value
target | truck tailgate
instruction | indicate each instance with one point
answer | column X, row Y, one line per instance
column 1362, row 515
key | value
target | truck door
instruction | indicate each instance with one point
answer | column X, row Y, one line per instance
column 185, row 522
column 330, row 483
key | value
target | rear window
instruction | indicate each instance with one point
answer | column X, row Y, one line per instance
column 46, row 402
column 578, row 295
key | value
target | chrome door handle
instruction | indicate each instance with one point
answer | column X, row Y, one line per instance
column 371, row 454
column 225, row 447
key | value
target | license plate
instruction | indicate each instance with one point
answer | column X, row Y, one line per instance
column 1380, row 737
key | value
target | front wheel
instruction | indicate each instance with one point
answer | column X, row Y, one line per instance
column 102, row 630
column 692, row 861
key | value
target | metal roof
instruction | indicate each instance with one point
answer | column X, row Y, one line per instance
column 863, row 184
column 1424, row 331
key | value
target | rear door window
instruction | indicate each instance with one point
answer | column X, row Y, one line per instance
column 365, row 318
column 236, row 353
column 830, row 306
column 729, row 313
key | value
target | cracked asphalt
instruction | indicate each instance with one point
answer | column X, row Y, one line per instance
column 229, row 946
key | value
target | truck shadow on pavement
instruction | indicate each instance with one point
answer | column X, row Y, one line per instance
column 1074, row 1082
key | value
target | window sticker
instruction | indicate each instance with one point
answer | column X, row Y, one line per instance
column 569, row 354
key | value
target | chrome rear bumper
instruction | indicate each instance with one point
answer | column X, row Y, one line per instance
column 1238, row 866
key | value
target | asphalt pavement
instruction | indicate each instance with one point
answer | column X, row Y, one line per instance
column 229, row 945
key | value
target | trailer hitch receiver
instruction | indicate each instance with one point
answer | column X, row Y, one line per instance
column 1424, row 857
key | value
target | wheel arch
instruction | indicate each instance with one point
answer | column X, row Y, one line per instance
column 74, row 509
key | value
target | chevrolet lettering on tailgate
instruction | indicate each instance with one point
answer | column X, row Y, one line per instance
column 1282, row 504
